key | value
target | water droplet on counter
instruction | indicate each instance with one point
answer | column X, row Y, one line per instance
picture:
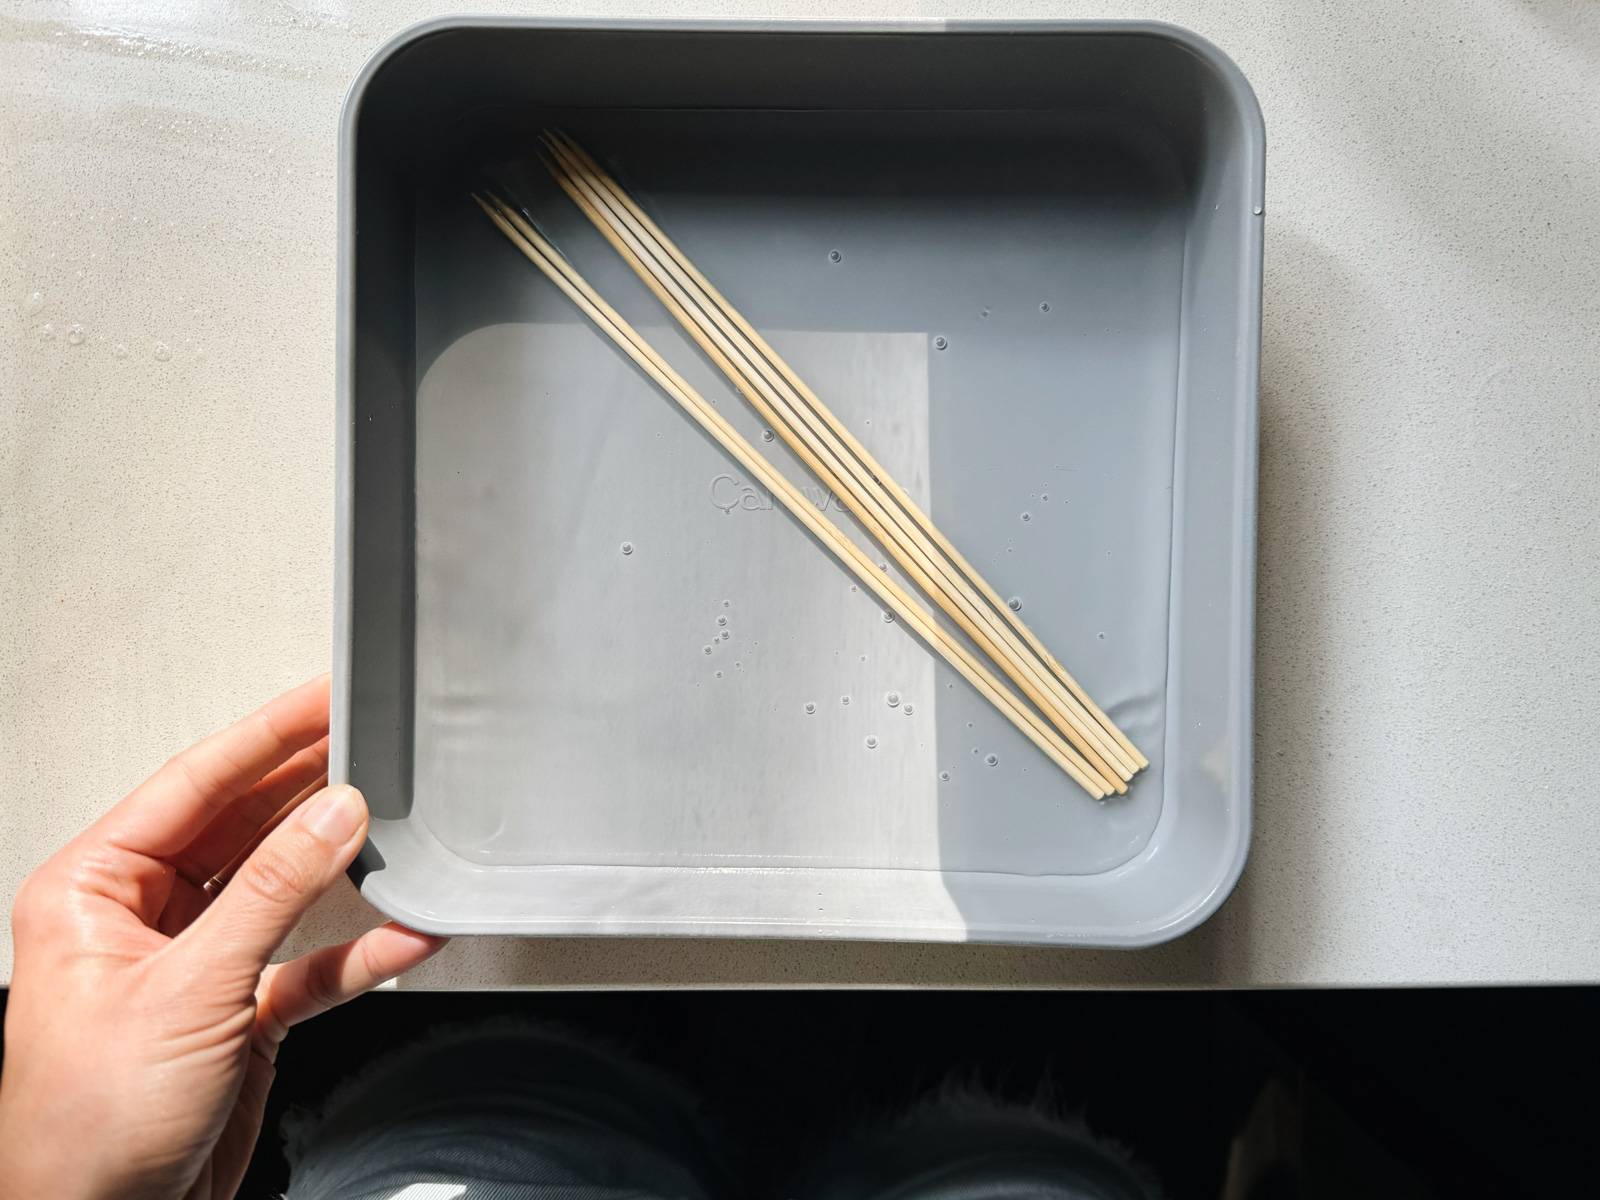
column 47, row 332
column 991, row 759
column 722, row 620
column 944, row 776
column 724, row 635
column 835, row 256
column 909, row 710
column 162, row 352
column 1026, row 517
column 767, row 435
column 892, row 699
column 33, row 303
column 1044, row 306
column 119, row 351
column 810, row 708
column 941, row 342
column 872, row 742
column 627, row 547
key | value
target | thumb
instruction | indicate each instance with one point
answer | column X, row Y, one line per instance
column 280, row 880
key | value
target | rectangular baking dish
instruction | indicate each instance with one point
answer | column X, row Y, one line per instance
column 1022, row 262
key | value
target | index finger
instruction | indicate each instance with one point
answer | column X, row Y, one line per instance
column 164, row 813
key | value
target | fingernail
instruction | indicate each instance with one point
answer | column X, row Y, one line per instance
column 334, row 816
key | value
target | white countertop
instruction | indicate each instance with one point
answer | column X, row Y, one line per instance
column 1428, row 650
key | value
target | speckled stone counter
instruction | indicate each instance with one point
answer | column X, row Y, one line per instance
column 1429, row 586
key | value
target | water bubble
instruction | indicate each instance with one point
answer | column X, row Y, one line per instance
column 722, row 619
column 727, row 603
column 888, row 616
column 883, row 566
column 724, row 635
column 119, row 351
column 845, row 700
column 991, row 759
column 908, row 709
column 984, row 314
column 47, row 332
column 767, row 435
column 810, row 708
column 1256, row 210
column 854, row 588
column 1044, row 306
column 835, row 256
column 863, row 658
column 705, row 649
column 1014, row 604
column 969, row 724
column 892, row 699
column 944, row 776
column 940, row 342
column 737, row 665
column 33, row 304
column 1101, row 636
column 1044, row 496
column 718, row 674
column 1026, row 517
column 627, row 547
column 974, row 749
column 872, row 742
column 162, row 352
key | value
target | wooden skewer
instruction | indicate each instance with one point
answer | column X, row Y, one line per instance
column 868, row 502
column 544, row 256
column 768, row 361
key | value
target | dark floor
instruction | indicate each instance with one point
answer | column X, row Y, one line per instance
column 1399, row 1093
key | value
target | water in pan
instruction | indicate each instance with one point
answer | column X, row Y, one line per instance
column 556, row 678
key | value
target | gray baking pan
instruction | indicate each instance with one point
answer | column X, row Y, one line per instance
column 592, row 680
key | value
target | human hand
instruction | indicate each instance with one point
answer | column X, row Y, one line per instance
column 144, row 1018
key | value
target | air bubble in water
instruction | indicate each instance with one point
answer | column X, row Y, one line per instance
column 724, row 635
column 845, row 700
column 727, row 604
column 984, row 313
column 47, row 332
column 162, row 352
column 33, row 304
column 1014, row 604
column 738, row 666
column 75, row 335
column 991, row 759
column 810, row 708
column 767, row 435
column 835, row 256
column 872, row 742
column 705, row 649
column 941, row 342
column 1101, row 636
column 1026, row 517
column 627, row 547
column 944, row 776
column 722, row 620
column 718, row 674
column 1044, row 306
column 908, row 709
column 119, row 351
column 892, row 699
column 1044, row 496
column 888, row 616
